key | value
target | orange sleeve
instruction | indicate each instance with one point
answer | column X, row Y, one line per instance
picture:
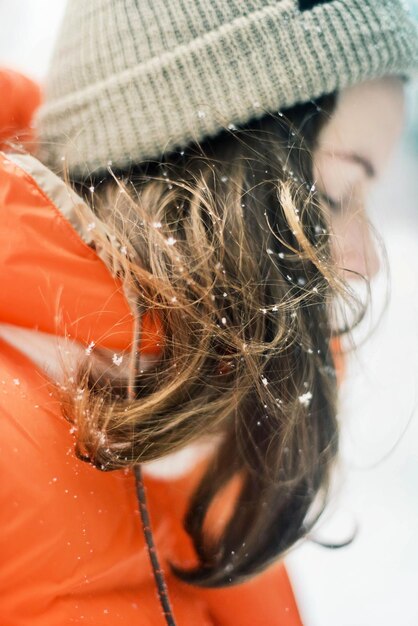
column 20, row 97
column 267, row 600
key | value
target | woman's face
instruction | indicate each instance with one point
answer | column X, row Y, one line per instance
column 353, row 149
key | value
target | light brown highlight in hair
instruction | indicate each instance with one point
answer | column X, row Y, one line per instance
column 227, row 244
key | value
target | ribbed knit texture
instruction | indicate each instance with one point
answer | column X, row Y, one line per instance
column 132, row 79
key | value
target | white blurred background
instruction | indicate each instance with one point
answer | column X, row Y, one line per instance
column 372, row 582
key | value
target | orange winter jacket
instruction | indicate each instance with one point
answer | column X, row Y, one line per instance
column 72, row 549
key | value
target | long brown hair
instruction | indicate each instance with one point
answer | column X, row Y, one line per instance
column 228, row 244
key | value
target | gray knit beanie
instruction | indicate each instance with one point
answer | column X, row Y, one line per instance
column 133, row 79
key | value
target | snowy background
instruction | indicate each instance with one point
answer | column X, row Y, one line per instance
column 373, row 582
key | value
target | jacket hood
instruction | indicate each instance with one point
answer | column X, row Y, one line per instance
column 45, row 246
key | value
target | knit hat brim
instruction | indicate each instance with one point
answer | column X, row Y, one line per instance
column 266, row 60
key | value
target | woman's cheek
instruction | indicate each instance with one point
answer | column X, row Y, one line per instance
column 352, row 245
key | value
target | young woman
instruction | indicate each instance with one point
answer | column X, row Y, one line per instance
column 171, row 266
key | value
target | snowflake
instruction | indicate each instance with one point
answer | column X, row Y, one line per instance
column 117, row 359
column 90, row 348
column 305, row 398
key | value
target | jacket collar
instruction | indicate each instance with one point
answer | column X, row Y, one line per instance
column 52, row 278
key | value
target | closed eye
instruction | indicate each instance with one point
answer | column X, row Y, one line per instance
column 335, row 205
